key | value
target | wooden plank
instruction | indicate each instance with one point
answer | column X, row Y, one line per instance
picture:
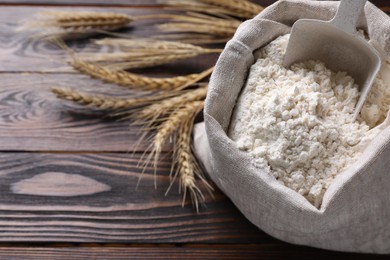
column 116, row 252
column 20, row 52
column 93, row 198
column 133, row 3
column 32, row 118
column 41, row 56
column 23, row 54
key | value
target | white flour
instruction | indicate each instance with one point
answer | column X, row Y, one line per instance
column 296, row 123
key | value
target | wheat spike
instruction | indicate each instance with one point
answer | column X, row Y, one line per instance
column 136, row 57
column 102, row 101
column 124, row 78
column 193, row 20
column 242, row 8
column 235, row 8
column 202, row 19
column 199, row 23
column 143, row 53
column 64, row 23
column 170, row 125
column 148, row 62
column 65, row 19
column 192, row 38
column 187, row 167
column 150, row 113
column 195, row 25
column 195, row 6
column 194, row 17
column 180, row 123
column 148, row 44
column 197, row 28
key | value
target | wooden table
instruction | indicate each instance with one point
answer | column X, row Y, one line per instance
column 99, row 215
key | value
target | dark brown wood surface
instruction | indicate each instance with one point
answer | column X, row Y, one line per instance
column 132, row 3
column 68, row 176
column 124, row 252
column 93, row 198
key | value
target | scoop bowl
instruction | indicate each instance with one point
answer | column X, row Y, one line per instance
column 338, row 45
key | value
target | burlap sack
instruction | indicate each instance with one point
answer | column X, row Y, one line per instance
column 355, row 213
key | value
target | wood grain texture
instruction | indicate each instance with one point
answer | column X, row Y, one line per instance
column 58, row 184
column 129, row 3
column 384, row 4
column 33, row 119
column 115, row 252
column 117, row 213
column 41, row 56
column 76, row 183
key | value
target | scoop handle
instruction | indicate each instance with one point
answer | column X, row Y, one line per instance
column 348, row 14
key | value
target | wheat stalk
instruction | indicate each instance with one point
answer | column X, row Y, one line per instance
column 179, row 123
column 150, row 115
column 200, row 39
column 152, row 112
column 143, row 53
column 169, row 126
column 124, row 78
column 76, row 20
column 67, row 23
column 147, row 44
column 199, row 24
column 187, row 167
column 151, row 62
column 193, row 17
column 103, row 101
column 186, row 164
column 196, row 23
column 126, row 61
column 198, row 18
column 242, row 8
column 196, row 6
column 197, row 28
column 172, row 107
column 235, row 8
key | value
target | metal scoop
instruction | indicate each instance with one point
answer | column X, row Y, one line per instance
column 337, row 44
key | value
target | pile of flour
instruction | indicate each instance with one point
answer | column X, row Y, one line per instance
column 297, row 123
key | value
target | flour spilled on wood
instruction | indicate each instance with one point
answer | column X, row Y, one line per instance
column 297, row 123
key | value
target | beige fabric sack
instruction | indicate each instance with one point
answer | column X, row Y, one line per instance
column 355, row 213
